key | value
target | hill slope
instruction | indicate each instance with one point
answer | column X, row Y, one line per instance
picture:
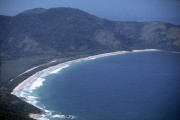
column 60, row 31
column 39, row 35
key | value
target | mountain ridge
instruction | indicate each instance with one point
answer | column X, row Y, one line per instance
column 38, row 36
column 69, row 31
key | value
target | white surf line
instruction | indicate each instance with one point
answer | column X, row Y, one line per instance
column 146, row 50
column 58, row 67
column 37, row 77
column 91, row 57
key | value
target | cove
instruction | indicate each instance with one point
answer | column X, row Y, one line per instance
column 132, row 86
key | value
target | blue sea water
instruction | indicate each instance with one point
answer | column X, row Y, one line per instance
column 132, row 86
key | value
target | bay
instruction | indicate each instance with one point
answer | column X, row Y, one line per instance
column 132, row 86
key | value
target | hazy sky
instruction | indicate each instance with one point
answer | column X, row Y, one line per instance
column 137, row 10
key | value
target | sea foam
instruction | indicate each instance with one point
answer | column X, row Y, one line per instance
column 37, row 83
column 25, row 91
column 59, row 69
column 26, row 88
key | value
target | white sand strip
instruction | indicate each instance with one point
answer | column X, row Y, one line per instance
column 36, row 80
column 57, row 68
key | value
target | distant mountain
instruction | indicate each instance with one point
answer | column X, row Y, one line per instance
column 69, row 31
column 37, row 36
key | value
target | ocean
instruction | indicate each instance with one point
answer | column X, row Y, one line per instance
column 131, row 86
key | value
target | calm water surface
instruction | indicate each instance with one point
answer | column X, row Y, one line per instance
column 133, row 86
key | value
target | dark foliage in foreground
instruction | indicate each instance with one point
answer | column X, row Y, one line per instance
column 67, row 33
column 13, row 108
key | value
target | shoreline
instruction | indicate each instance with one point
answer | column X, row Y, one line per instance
column 23, row 89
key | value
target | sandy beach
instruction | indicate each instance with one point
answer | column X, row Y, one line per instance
column 23, row 89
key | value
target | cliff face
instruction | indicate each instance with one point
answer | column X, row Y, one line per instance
column 68, row 31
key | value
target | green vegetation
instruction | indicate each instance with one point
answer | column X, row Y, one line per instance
column 38, row 36
column 63, row 31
